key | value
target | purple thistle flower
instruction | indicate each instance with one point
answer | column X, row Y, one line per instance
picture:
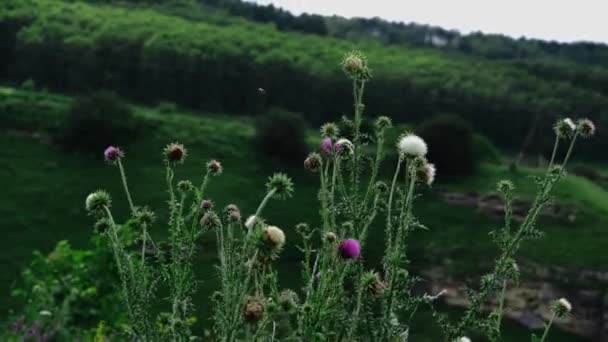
column 111, row 154
column 206, row 204
column 326, row 145
column 349, row 249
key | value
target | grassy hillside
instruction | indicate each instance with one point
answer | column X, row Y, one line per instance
column 44, row 189
column 150, row 56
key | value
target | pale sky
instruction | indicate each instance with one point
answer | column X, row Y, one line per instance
column 561, row 20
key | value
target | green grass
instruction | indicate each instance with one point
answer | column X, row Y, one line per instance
column 44, row 189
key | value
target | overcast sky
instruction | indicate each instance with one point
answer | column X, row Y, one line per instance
column 562, row 20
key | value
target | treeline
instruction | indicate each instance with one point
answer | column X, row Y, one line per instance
column 151, row 57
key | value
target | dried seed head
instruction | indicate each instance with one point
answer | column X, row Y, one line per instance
column 175, row 153
column 273, row 237
column 411, row 145
column 253, row 309
column 214, row 167
column 564, row 128
column 426, row 173
column 112, row 154
column 97, row 200
column 586, row 128
column 312, row 162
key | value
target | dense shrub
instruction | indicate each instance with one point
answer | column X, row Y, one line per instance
column 450, row 141
column 95, row 121
column 281, row 134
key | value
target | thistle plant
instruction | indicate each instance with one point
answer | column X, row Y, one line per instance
column 343, row 297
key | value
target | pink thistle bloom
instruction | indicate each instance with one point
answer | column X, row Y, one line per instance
column 112, row 154
column 349, row 249
column 326, row 145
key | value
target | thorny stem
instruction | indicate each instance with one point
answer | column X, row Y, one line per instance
column 547, row 328
column 501, row 303
column 123, row 176
column 389, row 229
column 264, row 202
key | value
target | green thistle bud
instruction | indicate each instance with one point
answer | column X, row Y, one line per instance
column 102, row 225
column 330, row 237
column 145, row 216
column 303, row 228
column 210, row 220
column 381, row 187
column 330, row 129
column 586, row 128
column 505, row 187
column 373, row 284
column 281, row 184
column 383, row 122
column 288, row 300
column 355, row 66
column 185, row 186
column 97, row 200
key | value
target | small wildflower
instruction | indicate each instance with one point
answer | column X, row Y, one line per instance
column 326, row 145
column 251, row 221
column 564, row 128
column 214, row 167
column 253, row 309
column 112, row 154
column 274, row 237
column 97, row 200
column 383, row 122
column 145, row 216
column 210, row 221
column 312, row 162
column 185, row 186
column 349, row 249
column 206, row 204
column 281, row 184
column 412, row 145
column 586, row 128
column 330, row 130
column 175, row 153
column 561, row 307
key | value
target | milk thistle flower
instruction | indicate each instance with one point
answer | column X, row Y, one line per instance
column 214, row 167
column 326, row 145
column 97, row 200
column 564, row 128
column 412, row 146
column 175, row 153
column 330, row 130
column 112, row 154
column 349, row 249
column 312, row 162
column 281, row 184
column 274, row 237
column 586, row 128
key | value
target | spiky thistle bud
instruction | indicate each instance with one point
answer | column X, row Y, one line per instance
column 564, row 128
column 561, row 307
column 355, row 66
column 97, row 201
column 505, row 186
column 214, row 167
column 303, row 228
column 206, row 204
column 586, row 128
column 288, row 300
column 383, row 122
column 344, row 146
column 381, row 187
column 102, row 225
column 330, row 130
column 145, row 216
column 233, row 213
column 253, row 310
column 312, row 162
column 112, row 154
column 273, row 237
column 349, row 249
column 330, row 237
column 281, row 184
column 175, row 153
column 411, row 145
column 210, row 221
column 373, row 284
column 185, row 186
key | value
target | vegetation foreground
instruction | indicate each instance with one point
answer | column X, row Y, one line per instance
column 343, row 296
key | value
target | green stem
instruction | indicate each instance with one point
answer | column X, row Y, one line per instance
column 264, row 202
column 389, row 227
column 501, row 304
column 547, row 328
column 123, row 176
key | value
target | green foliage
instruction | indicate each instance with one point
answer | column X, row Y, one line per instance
column 281, row 134
column 484, row 150
column 65, row 293
column 96, row 121
column 450, row 140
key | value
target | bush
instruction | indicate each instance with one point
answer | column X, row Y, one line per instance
column 281, row 134
column 450, row 141
column 96, row 121
column 484, row 150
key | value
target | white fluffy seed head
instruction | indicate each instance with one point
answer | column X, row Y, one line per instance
column 274, row 235
column 412, row 145
column 463, row 339
column 570, row 123
column 250, row 222
column 565, row 304
column 431, row 170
